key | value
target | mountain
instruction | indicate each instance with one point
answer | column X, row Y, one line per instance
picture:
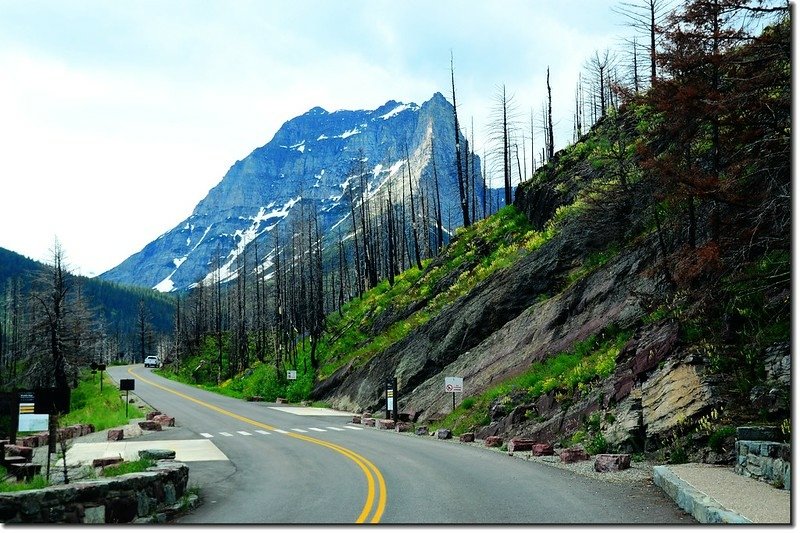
column 314, row 161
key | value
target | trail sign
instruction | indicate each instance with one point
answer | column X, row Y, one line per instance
column 453, row 384
column 291, row 374
column 127, row 385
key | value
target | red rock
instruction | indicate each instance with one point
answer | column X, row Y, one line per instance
column 369, row 422
column 152, row 414
column 386, row 423
column 32, row 441
column 467, row 437
column 106, row 461
column 19, row 451
column 493, row 441
column 518, row 444
column 401, row 427
column 356, row 419
column 573, row 455
column 115, row 434
column 165, row 420
column 612, row 462
column 150, row 425
column 366, row 415
column 542, row 449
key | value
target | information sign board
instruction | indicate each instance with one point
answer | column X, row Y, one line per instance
column 453, row 384
column 291, row 374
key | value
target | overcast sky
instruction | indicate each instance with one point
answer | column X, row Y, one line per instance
column 116, row 118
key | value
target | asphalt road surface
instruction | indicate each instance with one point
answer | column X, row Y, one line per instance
column 289, row 468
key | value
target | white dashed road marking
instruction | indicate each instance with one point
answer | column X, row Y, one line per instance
column 281, row 431
column 225, row 434
column 207, row 435
column 299, row 430
column 353, row 427
column 317, row 429
column 262, row 432
column 333, row 428
column 243, row 433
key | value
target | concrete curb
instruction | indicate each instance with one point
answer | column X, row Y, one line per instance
column 702, row 507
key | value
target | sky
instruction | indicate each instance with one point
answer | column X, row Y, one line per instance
column 117, row 118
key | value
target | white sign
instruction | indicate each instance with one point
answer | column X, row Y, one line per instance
column 453, row 384
column 291, row 374
column 33, row 422
column 390, row 400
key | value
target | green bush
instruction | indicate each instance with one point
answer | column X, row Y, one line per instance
column 597, row 444
column 717, row 439
column 468, row 403
column 127, row 467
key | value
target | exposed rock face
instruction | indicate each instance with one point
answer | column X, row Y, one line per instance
column 309, row 162
column 674, row 394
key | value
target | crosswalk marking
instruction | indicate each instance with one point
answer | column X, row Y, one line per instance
column 299, row 430
column 207, row 435
column 225, row 434
column 353, row 427
column 333, row 428
column 317, row 429
column 281, row 431
column 243, row 433
column 262, row 432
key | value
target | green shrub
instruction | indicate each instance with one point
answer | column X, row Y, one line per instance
column 597, row 444
column 468, row 403
column 127, row 467
column 717, row 439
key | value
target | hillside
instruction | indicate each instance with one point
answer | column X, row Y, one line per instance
column 635, row 297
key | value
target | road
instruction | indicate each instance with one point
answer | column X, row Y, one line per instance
column 287, row 468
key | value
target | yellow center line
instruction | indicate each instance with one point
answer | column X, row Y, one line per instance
column 370, row 471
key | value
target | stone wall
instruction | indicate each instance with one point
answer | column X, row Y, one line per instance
column 131, row 498
column 764, row 460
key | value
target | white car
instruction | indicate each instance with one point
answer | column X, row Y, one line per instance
column 152, row 361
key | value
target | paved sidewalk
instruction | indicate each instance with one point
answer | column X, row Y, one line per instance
column 715, row 494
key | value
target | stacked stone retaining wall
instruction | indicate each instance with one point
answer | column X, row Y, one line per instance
column 131, row 498
column 764, row 460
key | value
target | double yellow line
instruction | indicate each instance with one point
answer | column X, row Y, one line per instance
column 376, row 485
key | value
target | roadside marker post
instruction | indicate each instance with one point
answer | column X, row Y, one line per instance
column 391, row 398
column 127, row 385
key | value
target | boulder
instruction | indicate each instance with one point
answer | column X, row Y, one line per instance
column 444, row 433
column 106, row 461
column 421, row 430
column 165, row 420
column 467, row 437
column 281, row 400
column 612, row 462
column 115, row 434
column 493, row 441
column 156, row 454
column 366, row 414
column 519, row 444
column 32, row 441
column 356, row 419
column 369, row 422
column 541, row 449
column 573, row 455
column 386, row 423
column 152, row 414
column 255, row 398
column 150, row 425
column 402, row 427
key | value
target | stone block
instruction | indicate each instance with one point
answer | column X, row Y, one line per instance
column 402, row 427
column 573, row 455
column 106, row 461
column 156, row 454
column 518, row 444
column 467, row 437
column 493, row 441
column 369, row 422
column 115, row 434
column 255, row 398
column 94, row 515
column 386, row 423
column 542, row 449
column 150, row 425
column 612, row 462
column 421, row 430
column 356, row 419
column 444, row 434
column 281, row 400
column 152, row 414
column 165, row 420
column 26, row 452
column 365, row 414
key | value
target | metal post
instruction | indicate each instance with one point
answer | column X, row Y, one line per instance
column 127, row 392
column 396, row 399
column 454, row 401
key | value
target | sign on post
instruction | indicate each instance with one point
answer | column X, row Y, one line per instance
column 391, row 398
column 127, row 385
column 454, row 384
column 291, row 374
column 28, row 419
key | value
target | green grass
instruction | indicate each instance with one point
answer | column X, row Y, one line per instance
column 38, row 482
column 565, row 372
column 127, row 467
column 104, row 410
